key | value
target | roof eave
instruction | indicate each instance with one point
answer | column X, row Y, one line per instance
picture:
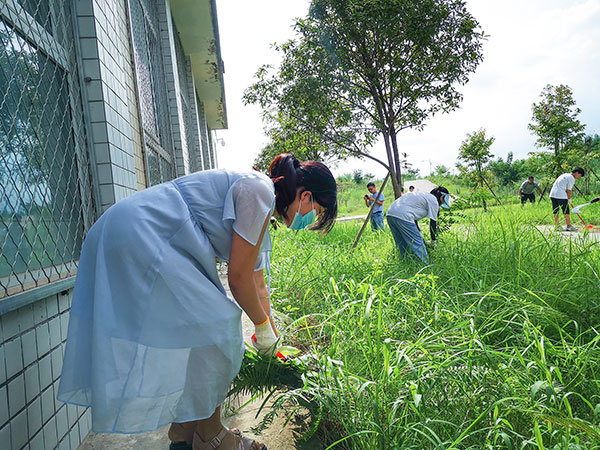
column 197, row 25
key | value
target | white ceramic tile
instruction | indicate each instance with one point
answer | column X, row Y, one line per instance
column 34, row 416
column 32, row 382
column 29, row 347
column 13, row 357
column 16, row 395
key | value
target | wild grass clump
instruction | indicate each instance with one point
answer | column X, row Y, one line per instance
column 493, row 345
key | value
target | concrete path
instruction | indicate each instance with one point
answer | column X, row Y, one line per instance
column 352, row 218
column 582, row 235
column 277, row 437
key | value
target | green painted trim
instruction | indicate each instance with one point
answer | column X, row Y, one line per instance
column 26, row 298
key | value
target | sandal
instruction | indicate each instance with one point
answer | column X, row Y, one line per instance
column 241, row 443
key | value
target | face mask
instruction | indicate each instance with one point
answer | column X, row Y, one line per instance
column 446, row 203
column 302, row 221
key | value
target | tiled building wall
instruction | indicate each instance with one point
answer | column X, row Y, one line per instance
column 167, row 44
column 204, row 138
column 105, row 50
column 193, row 130
column 32, row 340
column 134, row 113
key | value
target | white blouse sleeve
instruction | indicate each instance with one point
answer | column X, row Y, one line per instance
column 433, row 207
column 253, row 201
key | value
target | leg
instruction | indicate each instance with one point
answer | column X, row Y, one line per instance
column 378, row 219
column 209, row 428
column 417, row 244
column 211, row 434
column 180, row 433
column 393, row 223
column 407, row 237
column 566, row 211
column 555, row 209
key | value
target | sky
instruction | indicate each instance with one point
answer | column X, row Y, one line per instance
column 531, row 43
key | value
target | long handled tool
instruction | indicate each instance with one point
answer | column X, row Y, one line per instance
column 370, row 211
column 577, row 209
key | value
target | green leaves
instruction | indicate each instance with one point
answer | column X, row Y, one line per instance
column 554, row 121
column 361, row 69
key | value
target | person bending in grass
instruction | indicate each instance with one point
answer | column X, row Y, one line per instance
column 153, row 336
column 377, row 214
column 404, row 213
column 526, row 191
column 560, row 195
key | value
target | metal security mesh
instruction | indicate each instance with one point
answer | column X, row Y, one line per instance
column 45, row 196
column 152, row 91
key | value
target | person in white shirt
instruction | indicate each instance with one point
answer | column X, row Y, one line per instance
column 560, row 195
column 404, row 213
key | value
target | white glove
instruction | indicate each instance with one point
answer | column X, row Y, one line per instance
column 265, row 338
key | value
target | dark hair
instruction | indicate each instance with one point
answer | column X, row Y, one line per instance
column 411, row 187
column 578, row 170
column 530, row 177
column 370, row 184
column 438, row 191
column 289, row 174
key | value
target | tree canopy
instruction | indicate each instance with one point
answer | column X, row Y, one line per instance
column 474, row 157
column 366, row 69
column 554, row 122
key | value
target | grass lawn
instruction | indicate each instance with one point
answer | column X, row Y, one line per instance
column 495, row 344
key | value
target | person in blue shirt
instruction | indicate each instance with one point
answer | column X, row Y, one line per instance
column 377, row 214
column 154, row 339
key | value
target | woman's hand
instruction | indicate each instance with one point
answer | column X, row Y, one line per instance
column 265, row 338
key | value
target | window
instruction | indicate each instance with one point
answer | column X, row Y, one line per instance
column 44, row 206
column 152, row 91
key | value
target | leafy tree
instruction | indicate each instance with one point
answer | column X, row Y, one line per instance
column 590, row 158
column 507, row 172
column 474, row 157
column 554, row 122
column 441, row 171
column 360, row 70
column 357, row 176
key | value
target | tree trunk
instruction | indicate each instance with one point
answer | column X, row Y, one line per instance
column 396, row 160
column 392, row 165
column 484, row 205
column 556, row 156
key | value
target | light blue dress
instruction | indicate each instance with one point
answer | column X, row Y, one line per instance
column 153, row 337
